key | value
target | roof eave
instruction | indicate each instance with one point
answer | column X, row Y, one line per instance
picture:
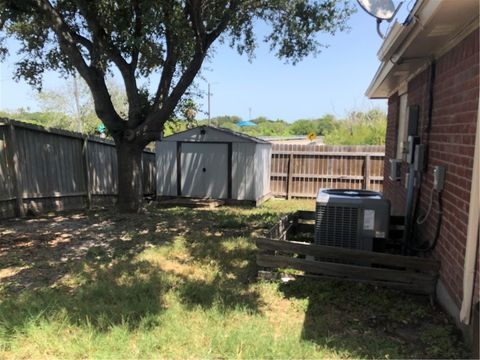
column 396, row 42
column 373, row 90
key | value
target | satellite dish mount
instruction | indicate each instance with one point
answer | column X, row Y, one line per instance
column 381, row 10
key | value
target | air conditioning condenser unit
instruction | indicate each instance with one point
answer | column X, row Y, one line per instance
column 351, row 218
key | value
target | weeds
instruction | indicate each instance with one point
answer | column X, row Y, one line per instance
column 181, row 283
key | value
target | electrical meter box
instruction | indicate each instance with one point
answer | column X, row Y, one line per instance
column 438, row 178
column 395, row 169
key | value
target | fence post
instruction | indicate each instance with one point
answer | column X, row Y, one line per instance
column 290, row 177
column 366, row 172
column 87, row 172
column 14, row 165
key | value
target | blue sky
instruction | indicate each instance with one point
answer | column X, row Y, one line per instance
column 333, row 82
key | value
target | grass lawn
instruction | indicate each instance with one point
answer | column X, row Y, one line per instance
column 181, row 283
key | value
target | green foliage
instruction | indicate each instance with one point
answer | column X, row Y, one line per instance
column 51, row 119
column 70, row 107
column 317, row 126
column 48, row 119
column 360, row 129
column 189, row 110
column 266, row 127
column 174, row 126
column 303, row 127
column 222, row 121
column 75, row 101
column 143, row 38
column 294, row 25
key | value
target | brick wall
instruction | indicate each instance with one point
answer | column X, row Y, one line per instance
column 393, row 190
column 451, row 144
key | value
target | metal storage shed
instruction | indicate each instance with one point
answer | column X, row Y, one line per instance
column 217, row 163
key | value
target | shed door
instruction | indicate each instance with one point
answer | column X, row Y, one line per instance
column 204, row 169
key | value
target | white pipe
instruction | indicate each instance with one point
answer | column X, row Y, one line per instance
column 472, row 233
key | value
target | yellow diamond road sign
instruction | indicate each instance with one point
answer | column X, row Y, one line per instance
column 311, row 136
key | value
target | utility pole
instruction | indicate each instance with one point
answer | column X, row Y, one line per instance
column 249, row 114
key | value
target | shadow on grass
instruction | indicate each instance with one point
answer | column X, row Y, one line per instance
column 110, row 286
column 225, row 295
column 106, row 283
column 372, row 322
column 105, row 298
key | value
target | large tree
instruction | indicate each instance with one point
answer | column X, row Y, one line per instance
column 142, row 38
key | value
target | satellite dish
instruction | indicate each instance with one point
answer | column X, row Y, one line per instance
column 380, row 9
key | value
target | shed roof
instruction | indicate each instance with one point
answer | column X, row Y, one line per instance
column 226, row 134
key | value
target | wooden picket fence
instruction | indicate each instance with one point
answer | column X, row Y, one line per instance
column 300, row 170
column 278, row 250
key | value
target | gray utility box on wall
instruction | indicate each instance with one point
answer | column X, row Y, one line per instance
column 351, row 218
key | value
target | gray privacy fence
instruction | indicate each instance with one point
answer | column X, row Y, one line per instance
column 48, row 169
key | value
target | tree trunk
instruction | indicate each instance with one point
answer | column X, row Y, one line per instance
column 130, row 184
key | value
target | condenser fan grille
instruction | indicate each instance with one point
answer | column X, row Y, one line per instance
column 337, row 226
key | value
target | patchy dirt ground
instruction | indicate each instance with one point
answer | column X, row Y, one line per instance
column 36, row 252
column 107, row 283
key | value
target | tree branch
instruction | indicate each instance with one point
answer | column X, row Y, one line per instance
column 227, row 15
column 79, row 39
column 126, row 69
column 194, row 9
column 93, row 76
column 137, row 33
column 167, row 72
column 153, row 125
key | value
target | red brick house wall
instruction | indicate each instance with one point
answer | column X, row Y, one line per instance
column 451, row 144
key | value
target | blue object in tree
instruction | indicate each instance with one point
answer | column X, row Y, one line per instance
column 101, row 129
column 245, row 123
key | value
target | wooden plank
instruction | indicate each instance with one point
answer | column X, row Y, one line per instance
column 324, row 166
column 329, row 153
column 290, row 176
column 427, row 289
column 192, row 202
column 345, row 270
column 366, row 172
column 319, row 176
column 327, row 177
column 408, row 262
column 302, row 195
column 53, row 195
column 86, row 172
column 282, row 226
column 6, row 186
column 14, row 164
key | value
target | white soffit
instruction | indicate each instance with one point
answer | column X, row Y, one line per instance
column 437, row 24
